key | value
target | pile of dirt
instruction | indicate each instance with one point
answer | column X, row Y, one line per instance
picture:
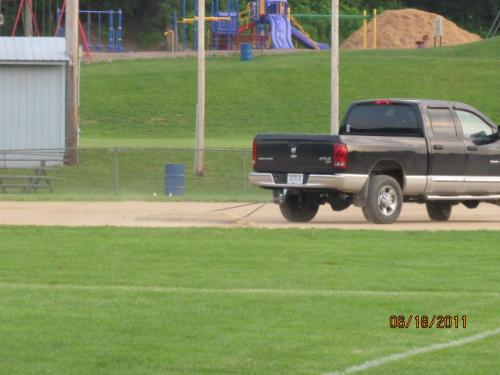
column 403, row 28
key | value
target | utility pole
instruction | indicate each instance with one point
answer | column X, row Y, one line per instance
column 28, row 18
column 72, row 82
column 335, row 69
column 200, row 108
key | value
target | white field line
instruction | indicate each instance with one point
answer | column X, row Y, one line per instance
column 411, row 353
column 242, row 291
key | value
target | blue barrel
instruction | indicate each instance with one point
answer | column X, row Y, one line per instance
column 174, row 179
column 246, row 52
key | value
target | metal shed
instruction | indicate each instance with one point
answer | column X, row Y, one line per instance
column 32, row 100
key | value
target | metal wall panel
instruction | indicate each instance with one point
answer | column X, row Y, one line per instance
column 29, row 49
column 32, row 108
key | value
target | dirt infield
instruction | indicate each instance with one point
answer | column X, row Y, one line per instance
column 191, row 214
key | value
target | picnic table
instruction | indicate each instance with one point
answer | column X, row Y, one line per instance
column 29, row 183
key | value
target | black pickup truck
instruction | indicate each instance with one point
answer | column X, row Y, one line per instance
column 387, row 152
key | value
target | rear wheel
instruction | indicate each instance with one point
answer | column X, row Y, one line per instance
column 439, row 211
column 384, row 200
column 299, row 208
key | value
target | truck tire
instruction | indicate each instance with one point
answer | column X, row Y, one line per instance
column 439, row 211
column 384, row 200
column 299, row 208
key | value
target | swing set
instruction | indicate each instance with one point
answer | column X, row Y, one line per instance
column 18, row 17
column 42, row 15
column 29, row 4
column 45, row 18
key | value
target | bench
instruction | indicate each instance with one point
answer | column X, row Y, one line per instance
column 29, row 183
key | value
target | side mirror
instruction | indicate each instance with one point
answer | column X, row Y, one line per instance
column 481, row 138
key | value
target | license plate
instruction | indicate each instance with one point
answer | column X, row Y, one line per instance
column 295, row 179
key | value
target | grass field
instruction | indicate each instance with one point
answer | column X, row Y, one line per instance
column 138, row 174
column 152, row 102
column 213, row 301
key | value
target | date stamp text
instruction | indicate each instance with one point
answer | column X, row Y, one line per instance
column 428, row 321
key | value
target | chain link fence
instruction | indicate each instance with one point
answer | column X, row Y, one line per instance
column 126, row 173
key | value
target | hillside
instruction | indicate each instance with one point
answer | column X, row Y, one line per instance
column 152, row 102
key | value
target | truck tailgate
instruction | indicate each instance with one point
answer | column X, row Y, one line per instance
column 294, row 153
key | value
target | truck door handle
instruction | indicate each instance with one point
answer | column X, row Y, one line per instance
column 472, row 148
column 438, row 147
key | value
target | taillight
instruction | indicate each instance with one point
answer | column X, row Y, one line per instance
column 340, row 153
column 383, row 102
column 254, row 153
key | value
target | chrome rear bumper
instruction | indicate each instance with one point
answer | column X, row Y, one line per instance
column 348, row 183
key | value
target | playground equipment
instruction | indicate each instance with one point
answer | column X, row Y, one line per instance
column 170, row 40
column 46, row 16
column 114, row 30
column 115, row 41
column 8, row 13
column 261, row 23
column 41, row 12
column 81, row 31
column 18, row 16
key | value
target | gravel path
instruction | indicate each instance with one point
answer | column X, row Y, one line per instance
column 190, row 214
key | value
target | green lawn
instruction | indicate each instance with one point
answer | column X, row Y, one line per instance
column 152, row 102
column 241, row 301
column 138, row 174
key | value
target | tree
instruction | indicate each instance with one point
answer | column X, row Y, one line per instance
column 475, row 16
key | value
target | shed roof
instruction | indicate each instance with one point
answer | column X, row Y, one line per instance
column 27, row 49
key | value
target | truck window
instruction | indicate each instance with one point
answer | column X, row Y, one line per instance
column 442, row 123
column 472, row 124
column 382, row 119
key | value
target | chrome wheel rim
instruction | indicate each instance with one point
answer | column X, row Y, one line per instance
column 387, row 200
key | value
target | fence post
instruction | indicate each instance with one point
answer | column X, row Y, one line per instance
column 111, row 33
column 117, row 170
column 244, row 173
column 119, row 34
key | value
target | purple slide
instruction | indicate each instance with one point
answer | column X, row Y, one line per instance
column 304, row 39
column 281, row 31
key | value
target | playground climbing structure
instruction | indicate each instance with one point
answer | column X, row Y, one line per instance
column 263, row 23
